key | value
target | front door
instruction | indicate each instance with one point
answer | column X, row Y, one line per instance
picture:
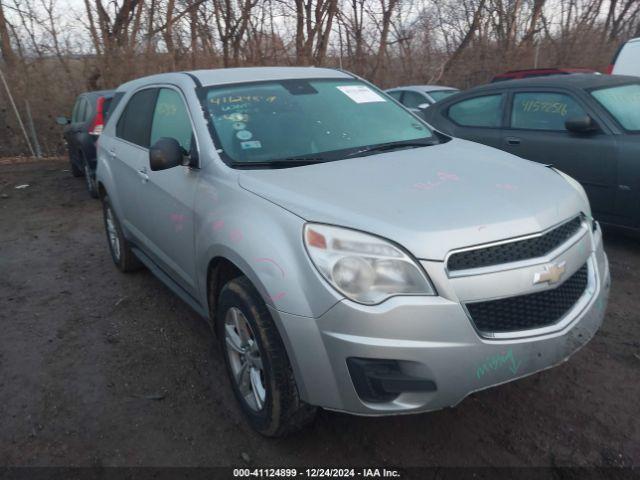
column 536, row 131
column 166, row 198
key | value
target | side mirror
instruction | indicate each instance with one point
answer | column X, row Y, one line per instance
column 581, row 124
column 166, row 153
column 61, row 120
column 423, row 106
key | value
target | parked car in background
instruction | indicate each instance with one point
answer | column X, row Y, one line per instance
column 348, row 256
column 588, row 126
column 626, row 60
column 81, row 132
column 418, row 98
column 539, row 72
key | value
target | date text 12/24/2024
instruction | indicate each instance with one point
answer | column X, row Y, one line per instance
column 316, row 473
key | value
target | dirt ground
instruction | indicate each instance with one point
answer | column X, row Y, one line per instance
column 98, row 368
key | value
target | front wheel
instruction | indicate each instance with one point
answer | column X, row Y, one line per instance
column 257, row 363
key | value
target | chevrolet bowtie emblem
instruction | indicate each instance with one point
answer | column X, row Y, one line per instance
column 552, row 273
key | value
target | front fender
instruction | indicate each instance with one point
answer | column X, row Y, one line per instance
column 265, row 242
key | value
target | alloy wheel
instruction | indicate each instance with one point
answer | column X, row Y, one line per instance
column 244, row 358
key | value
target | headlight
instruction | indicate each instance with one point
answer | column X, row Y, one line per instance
column 362, row 267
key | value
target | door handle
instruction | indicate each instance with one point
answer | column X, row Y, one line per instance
column 143, row 175
column 513, row 140
column 112, row 153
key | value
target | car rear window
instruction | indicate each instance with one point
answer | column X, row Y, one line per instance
column 623, row 103
column 134, row 124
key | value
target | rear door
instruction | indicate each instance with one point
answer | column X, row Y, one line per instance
column 535, row 130
column 165, row 201
column 129, row 153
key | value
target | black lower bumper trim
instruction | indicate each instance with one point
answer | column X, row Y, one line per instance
column 379, row 381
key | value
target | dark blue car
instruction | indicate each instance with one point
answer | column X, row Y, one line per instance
column 82, row 131
column 585, row 125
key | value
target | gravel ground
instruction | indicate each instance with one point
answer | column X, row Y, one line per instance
column 98, row 368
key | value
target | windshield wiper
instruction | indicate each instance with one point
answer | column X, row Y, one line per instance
column 386, row 147
column 278, row 163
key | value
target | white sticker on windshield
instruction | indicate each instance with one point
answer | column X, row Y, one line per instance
column 361, row 94
column 251, row 145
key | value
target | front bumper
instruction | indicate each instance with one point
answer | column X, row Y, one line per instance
column 432, row 338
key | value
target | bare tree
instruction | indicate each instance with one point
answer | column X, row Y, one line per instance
column 5, row 42
column 314, row 20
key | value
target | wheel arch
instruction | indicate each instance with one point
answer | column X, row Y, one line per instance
column 220, row 270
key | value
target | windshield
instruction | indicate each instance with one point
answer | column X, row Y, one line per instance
column 623, row 103
column 312, row 120
column 438, row 95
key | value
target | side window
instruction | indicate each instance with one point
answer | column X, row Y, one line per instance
column 134, row 124
column 396, row 94
column 413, row 99
column 543, row 110
column 171, row 119
column 485, row 111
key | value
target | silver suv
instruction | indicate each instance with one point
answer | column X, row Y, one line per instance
column 347, row 255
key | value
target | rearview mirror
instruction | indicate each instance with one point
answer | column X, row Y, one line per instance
column 166, row 153
column 581, row 124
column 423, row 106
column 62, row 120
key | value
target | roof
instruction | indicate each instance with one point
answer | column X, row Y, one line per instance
column 422, row 88
column 579, row 80
column 100, row 93
column 221, row 76
column 550, row 69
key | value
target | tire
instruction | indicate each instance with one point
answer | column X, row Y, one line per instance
column 282, row 412
column 75, row 170
column 89, row 179
column 119, row 246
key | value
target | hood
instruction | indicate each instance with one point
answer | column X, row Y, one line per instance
column 429, row 200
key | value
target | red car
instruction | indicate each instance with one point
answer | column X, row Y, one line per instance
column 539, row 72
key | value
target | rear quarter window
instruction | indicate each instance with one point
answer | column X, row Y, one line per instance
column 484, row 111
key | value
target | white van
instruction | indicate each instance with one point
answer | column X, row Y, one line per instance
column 627, row 59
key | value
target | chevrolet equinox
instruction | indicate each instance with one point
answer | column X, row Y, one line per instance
column 347, row 255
